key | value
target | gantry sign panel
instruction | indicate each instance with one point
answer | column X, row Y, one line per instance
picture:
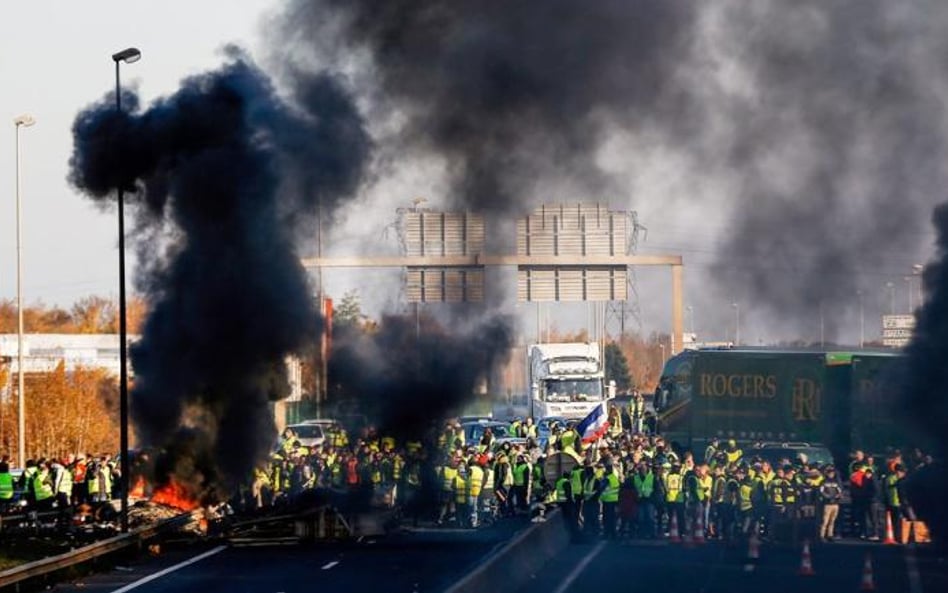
column 571, row 283
column 445, row 284
column 428, row 233
column 573, row 232
column 434, row 235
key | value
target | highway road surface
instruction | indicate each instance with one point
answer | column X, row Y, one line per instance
column 420, row 561
column 660, row 567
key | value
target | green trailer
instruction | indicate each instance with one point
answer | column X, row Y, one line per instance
column 838, row 399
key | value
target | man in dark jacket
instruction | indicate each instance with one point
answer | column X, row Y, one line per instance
column 831, row 492
column 863, row 489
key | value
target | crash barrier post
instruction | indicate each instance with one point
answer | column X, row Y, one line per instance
column 510, row 567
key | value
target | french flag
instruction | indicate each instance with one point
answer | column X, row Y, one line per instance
column 594, row 425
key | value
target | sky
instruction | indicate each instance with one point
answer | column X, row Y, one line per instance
column 55, row 59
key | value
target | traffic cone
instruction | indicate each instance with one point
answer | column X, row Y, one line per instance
column 686, row 537
column 806, row 563
column 673, row 530
column 699, row 528
column 753, row 552
column 867, row 582
column 889, row 532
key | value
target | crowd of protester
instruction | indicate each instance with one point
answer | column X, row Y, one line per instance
column 627, row 482
column 61, row 484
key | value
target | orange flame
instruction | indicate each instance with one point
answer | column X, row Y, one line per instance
column 175, row 495
column 138, row 490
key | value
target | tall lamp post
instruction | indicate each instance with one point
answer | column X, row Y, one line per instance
column 862, row 320
column 128, row 56
column 24, row 121
column 737, row 323
column 890, row 288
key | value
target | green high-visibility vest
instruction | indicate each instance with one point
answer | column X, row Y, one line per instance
column 704, row 488
column 561, row 489
column 589, row 488
column 644, row 485
column 6, row 486
column 576, row 481
column 746, row 493
column 41, row 488
column 611, row 492
column 65, row 483
column 460, row 489
column 520, row 474
column 449, row 473
column 892, row 491
column 475, row 479
column 568, row 439
column 673, row 492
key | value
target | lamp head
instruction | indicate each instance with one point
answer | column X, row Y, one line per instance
column 129, row 55
column 24, row 120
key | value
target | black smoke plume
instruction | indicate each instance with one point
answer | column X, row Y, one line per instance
column 506, row 92
column 927, row 378
column 409, row 374
column 223, row 174
column 839, row 144
column 819, row 124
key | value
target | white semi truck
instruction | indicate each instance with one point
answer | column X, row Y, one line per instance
column 566, row 380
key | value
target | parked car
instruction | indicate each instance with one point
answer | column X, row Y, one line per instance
column 793, row 452
column 473, row 431
column 310, row 433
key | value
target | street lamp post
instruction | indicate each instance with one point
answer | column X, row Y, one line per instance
column 128, row 56
column 862, row 320
column 18, row 122
column 737, row 323
column 891, row 288
column 691, row 315
column 822, row 327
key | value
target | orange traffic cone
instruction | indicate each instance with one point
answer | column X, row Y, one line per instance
column 753, row 552
column 806, row 564
column 699, row 528
column 867, row 582
column 889, row 532
column 673, row 530
column 686, row 537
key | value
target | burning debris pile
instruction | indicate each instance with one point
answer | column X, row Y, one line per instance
column 223, row 174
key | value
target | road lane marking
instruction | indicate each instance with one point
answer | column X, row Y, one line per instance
column 170, row 569
column 330, row 564
column 911, row 564
column 580, row 568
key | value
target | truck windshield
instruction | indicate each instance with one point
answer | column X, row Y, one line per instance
column 588, row 390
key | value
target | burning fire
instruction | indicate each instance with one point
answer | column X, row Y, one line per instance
column 175, row 495
column 138, row 490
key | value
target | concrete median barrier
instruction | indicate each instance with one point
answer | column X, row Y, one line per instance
column 511, row 567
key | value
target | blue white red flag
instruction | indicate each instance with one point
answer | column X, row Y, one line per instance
column 594, row 425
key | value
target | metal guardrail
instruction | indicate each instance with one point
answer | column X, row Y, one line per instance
column 7, row 520
column 39, row 568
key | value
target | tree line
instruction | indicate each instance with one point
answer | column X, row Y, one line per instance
column 89, row 315
column 67, row 411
